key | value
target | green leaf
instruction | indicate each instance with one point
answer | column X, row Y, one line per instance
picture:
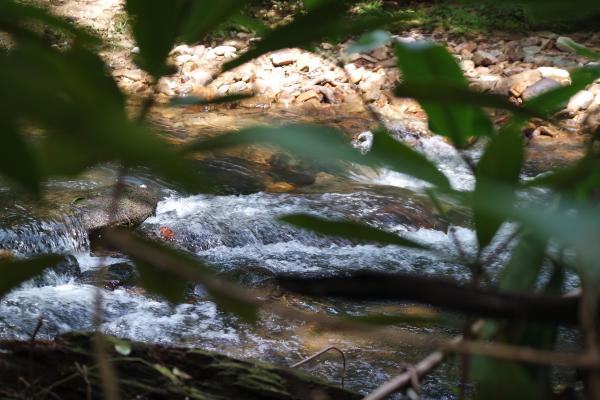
column 525, row 264
column 319, row 142
column 193, row 100
column 550, row 102
column 204, row 16
column 348, row 230
column 447, row 93
column 16, row 272
column 369, row 41
column 17, row 162
column 167, row 272
column 578, row 48
column 155, row 25
column 395, row 155
column 500, row 164
column 122, row 347
column 161, row 282
column 323, row 21
column 496, row 379
column 427, row 64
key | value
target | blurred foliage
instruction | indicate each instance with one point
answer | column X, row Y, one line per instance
column 68, row 95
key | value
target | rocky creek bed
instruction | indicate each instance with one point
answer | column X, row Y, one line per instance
column 235, row 228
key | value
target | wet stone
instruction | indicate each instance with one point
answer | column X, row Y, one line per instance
column 542, row 86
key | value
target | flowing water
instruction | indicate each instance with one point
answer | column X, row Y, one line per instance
column 240, row 236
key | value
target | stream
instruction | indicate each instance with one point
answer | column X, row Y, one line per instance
column 240, row 236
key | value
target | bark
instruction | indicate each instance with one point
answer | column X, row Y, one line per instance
column 65, row 369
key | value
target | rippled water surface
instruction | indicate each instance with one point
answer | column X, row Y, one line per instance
column 241, row 236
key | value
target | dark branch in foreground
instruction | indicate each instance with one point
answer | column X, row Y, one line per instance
column 439, row 293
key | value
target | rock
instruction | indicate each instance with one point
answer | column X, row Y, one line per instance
column 542, row 86
column 181, row 49
column 135, row 50
column 115, row 275
column 223, row 90
column 283, row 58
column 467, row 65
column 135, row 205
column 310, row 94
column 561, row 44
column 183, row 58
column 133, row 74
column 486, row 83
column 200, row 77
column 280, row 187
column 380, row 53
column 166, row 86
column 581, row 101
column 484, row 58
column 222, row 50
column 237, row 87
column 596, row 101
column 530, row 41
column 519, row 82
column 6, row 255
column 560, row 75
column 530, row 51
column 232, row 175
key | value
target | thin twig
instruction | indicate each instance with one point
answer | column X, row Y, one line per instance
column 319, row 353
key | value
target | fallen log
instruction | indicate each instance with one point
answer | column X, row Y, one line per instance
column 66, row 369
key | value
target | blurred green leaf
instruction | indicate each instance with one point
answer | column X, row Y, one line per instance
column 386, row 151
column 155, row 25
column 525, row 264
column 16, row 272
column 193, row 100
column 167, row 272
column 369, row 41
column 323, row 21
column 445, row 93
column 201, row 17
column 161, row 282
column 426, row 65
column 319, row 142
column 348, row 230
column 496, row 379
column 501, row 164
column 17, row 161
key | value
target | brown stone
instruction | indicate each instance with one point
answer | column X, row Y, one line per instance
column 310, row 94
column 280, row 187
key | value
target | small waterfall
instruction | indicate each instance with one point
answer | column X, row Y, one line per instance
column 60, row 236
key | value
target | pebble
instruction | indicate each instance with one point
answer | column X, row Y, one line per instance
column 561, row 45
column 542, row 86
column 237, row 87
column 560, row 75
column 222, row 50
column 484, row 58
column 310, row 94
column 135, row 50
column 581, row 101
column 520, row 82
column 283, row 58
column 200, row 77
